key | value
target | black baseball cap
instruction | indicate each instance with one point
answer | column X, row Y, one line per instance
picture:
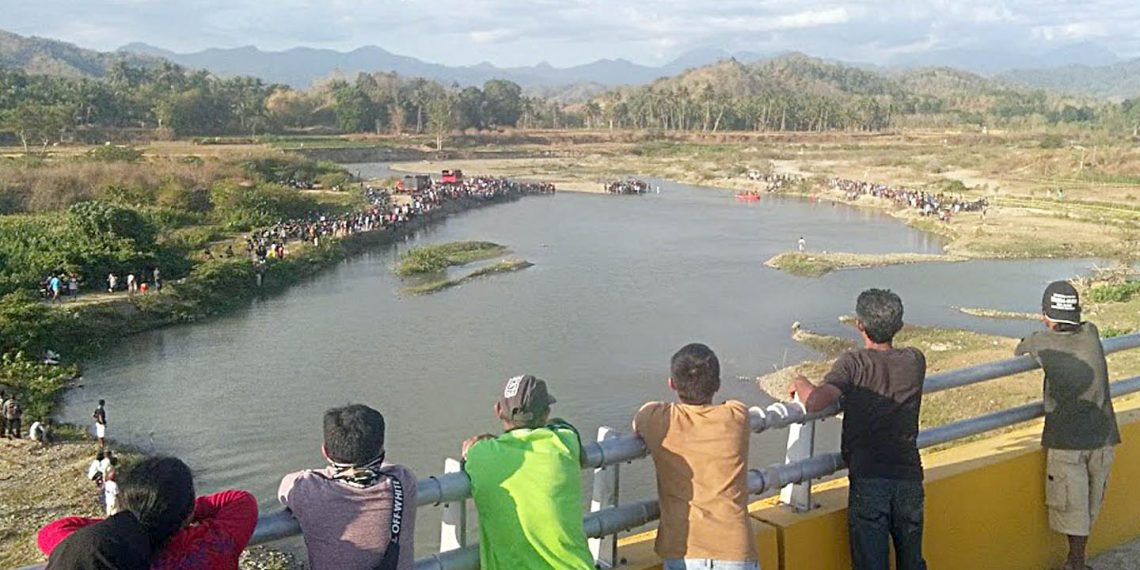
column 1061, row 303
column 524, row 399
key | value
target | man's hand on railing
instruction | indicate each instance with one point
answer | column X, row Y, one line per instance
column 814, row 398
column 473, row 440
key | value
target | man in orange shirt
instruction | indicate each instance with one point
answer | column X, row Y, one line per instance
column 700, row 450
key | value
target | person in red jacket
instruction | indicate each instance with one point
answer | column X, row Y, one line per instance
column 159, row 521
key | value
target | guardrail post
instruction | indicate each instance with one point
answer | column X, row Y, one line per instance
column 606, row 481
column 453, row 530
column 801, row 446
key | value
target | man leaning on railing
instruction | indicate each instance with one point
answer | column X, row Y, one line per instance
column 1080, row 423
column 700, row 450
column 360, row 511
column 881, row 389
column 527, row 485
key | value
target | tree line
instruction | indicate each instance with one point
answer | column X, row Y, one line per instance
column 805, row 94
column 40, row 110
column 790, row 94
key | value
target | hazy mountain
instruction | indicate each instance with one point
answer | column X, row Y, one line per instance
column 990, row 61
column 573, row 93
column 299, row 67
column 1083, row 69
column 43, row 56
column 1117, row 81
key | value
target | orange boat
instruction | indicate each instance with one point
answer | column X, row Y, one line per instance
column 748, row 196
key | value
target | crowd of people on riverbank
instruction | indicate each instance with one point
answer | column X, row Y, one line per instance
column 927, row 203
column 775, row 182
column 627, row 186
column 383, row 212
column 359, row 511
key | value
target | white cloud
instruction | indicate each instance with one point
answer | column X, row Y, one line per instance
column 1074, row 31
column 566, row 32
column 798, row 20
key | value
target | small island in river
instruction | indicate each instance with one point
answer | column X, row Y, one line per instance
column 432, row 262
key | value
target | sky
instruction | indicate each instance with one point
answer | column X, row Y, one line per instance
column 570, row 32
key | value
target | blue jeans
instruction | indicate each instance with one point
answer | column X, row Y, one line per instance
column 706, row 564
column 882, row 509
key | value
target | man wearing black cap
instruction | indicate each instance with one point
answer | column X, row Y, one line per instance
column 527, row 485
column 1080, row 424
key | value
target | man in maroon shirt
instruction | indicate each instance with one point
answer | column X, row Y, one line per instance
column 359, row 512
column 156, row 505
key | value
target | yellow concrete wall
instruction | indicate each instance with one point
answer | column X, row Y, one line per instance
column 985, row 508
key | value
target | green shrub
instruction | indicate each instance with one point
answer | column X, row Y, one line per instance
column 114, row 153
column 1114, row 292
column 437, row 257
column 101, row 220
column 36, row 384
column 242, row 206
column 422, row 260
column 282, row 169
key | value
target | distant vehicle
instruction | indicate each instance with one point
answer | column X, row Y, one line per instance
column 414, row 183
column 451, row 176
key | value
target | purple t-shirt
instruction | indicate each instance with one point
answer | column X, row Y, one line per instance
column 347, row 527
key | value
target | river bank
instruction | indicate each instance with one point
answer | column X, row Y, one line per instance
column 817, row 264
column 40, row 484
column 1027, row 218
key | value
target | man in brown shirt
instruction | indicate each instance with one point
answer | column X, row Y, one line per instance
column 700, row 450
column 881, row 390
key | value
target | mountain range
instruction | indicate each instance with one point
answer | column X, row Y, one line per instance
column 300, row 67
column 1082, row 69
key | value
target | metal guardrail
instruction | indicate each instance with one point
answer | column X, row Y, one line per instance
column 794, row 475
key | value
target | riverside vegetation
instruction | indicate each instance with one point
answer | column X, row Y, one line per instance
column 431, row 261
column 100, row 228
column 438, row 257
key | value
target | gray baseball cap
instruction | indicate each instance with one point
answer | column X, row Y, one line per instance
column 524, row 399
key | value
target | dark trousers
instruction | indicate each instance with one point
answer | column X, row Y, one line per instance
column 14, row 428
column 880, row 511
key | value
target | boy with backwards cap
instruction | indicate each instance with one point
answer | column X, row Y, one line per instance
column 527, row 485
column 1080, row 424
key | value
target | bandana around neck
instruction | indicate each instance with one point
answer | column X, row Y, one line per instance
column 359, row 476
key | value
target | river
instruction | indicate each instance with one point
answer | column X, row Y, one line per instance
column 619, row 283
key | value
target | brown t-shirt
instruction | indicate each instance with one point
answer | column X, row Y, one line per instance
column 882, row 396
column 701, row 454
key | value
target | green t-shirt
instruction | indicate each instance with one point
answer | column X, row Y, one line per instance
column 1078, row 406
column 527, row 486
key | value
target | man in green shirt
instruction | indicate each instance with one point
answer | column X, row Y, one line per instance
column 1080, row 424
column 527, row 485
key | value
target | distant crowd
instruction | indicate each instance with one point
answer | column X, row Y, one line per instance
column 358, row 512
column 775, row 182
column 381, row 212
column 928, row 204
column 627, row 186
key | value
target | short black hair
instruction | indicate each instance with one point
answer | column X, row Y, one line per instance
column 101, row 402
column 696, row 373
column 160, row 493
column 881, row 312
column 354, row 434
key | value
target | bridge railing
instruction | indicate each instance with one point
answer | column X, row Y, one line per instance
column 608, row 516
